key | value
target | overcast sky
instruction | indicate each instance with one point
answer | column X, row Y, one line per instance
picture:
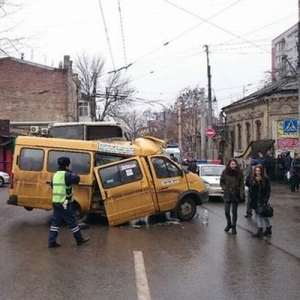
column 162, row 39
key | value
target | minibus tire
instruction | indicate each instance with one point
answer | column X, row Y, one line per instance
column 79, row 215
column 186, row 209
column 1, row 181
column 28, row 208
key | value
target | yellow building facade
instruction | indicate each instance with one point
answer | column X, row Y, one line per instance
column 270, row 113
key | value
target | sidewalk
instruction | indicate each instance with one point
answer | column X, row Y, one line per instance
column 286, row 220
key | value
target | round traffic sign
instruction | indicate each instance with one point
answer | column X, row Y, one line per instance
column 210, row 132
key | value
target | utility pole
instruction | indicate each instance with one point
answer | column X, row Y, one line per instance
column 203, row 124
column 94, row 105
column 298, row 75
column 179, row 122
column 209, row 113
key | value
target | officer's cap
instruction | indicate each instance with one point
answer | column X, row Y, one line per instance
column 63, row 161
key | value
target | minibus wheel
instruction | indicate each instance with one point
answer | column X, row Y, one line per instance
column 79, row 215
column 28, row 208
column 186, row 209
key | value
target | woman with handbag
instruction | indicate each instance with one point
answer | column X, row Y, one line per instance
column 232, row 183
column 259, row 193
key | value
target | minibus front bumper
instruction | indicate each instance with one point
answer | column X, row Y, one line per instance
column 204, row 196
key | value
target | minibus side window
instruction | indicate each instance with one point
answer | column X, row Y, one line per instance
column 165, row 168
column 120, row 174
column 31, row 159
column 80, row 162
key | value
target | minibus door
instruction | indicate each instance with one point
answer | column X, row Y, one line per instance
column 169, row 181
column 125, row 190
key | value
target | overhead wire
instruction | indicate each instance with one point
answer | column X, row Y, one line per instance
column 255, row 30
column 217, row 26
column 122, row 32
column 107, row 36
column 175, row 38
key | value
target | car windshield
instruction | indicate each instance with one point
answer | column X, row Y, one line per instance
column 212, row 170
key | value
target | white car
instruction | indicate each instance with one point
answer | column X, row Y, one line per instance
column 4, row 178
column 211, row 173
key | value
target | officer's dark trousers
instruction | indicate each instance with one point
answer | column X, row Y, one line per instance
column 60, row 214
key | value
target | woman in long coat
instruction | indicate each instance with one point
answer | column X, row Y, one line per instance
column 232, row 183
column 259, row 193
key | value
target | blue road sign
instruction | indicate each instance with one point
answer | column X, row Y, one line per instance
column 290, row 126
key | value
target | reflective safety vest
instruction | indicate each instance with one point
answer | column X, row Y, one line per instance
column 61, row 191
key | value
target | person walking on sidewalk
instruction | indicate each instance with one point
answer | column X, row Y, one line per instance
column 62, row 199
column 232, row 183
column 259, row 192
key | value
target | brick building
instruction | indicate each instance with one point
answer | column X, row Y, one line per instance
column 31, row 92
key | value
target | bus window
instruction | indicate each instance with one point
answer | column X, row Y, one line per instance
column 80, row 162
column 87, row 130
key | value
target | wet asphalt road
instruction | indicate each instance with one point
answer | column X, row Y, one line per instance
column 158, row 261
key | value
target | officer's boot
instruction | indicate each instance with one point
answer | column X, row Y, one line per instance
column 259, row 233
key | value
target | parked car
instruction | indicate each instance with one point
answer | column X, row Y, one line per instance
column 211, row 173
column 4, row 178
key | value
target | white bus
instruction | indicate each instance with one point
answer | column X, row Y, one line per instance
column 87, row 130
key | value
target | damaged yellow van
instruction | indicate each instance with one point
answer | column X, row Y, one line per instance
column 120, row 180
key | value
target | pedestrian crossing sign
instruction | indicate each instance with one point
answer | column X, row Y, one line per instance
column 290, row 126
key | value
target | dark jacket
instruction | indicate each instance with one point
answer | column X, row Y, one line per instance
column 295, row 167
column 228, row 182
column 259, row 192
column 192, row 167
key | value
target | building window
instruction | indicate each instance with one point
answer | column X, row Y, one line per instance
column 258, row 130
column 83, row 109
column 248, row 133
column 232, row 142
column 280, row 46
column 239, row 136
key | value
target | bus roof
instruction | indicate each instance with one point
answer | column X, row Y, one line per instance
column 140, row 146
column 89, row 123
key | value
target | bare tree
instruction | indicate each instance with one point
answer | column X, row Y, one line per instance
column 117, row 97
column 89, row 70
column 191, row 116
column 137, row 122
column 108, row 95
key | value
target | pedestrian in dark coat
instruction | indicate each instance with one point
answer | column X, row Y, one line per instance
column 192, row 166
column 232, row 183
column 259, row 192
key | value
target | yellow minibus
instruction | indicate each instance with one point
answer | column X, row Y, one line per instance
column 120, row 180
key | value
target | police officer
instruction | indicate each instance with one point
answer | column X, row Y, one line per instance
column 62, row 198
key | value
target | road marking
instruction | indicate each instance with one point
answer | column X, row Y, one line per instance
column 142, row 286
